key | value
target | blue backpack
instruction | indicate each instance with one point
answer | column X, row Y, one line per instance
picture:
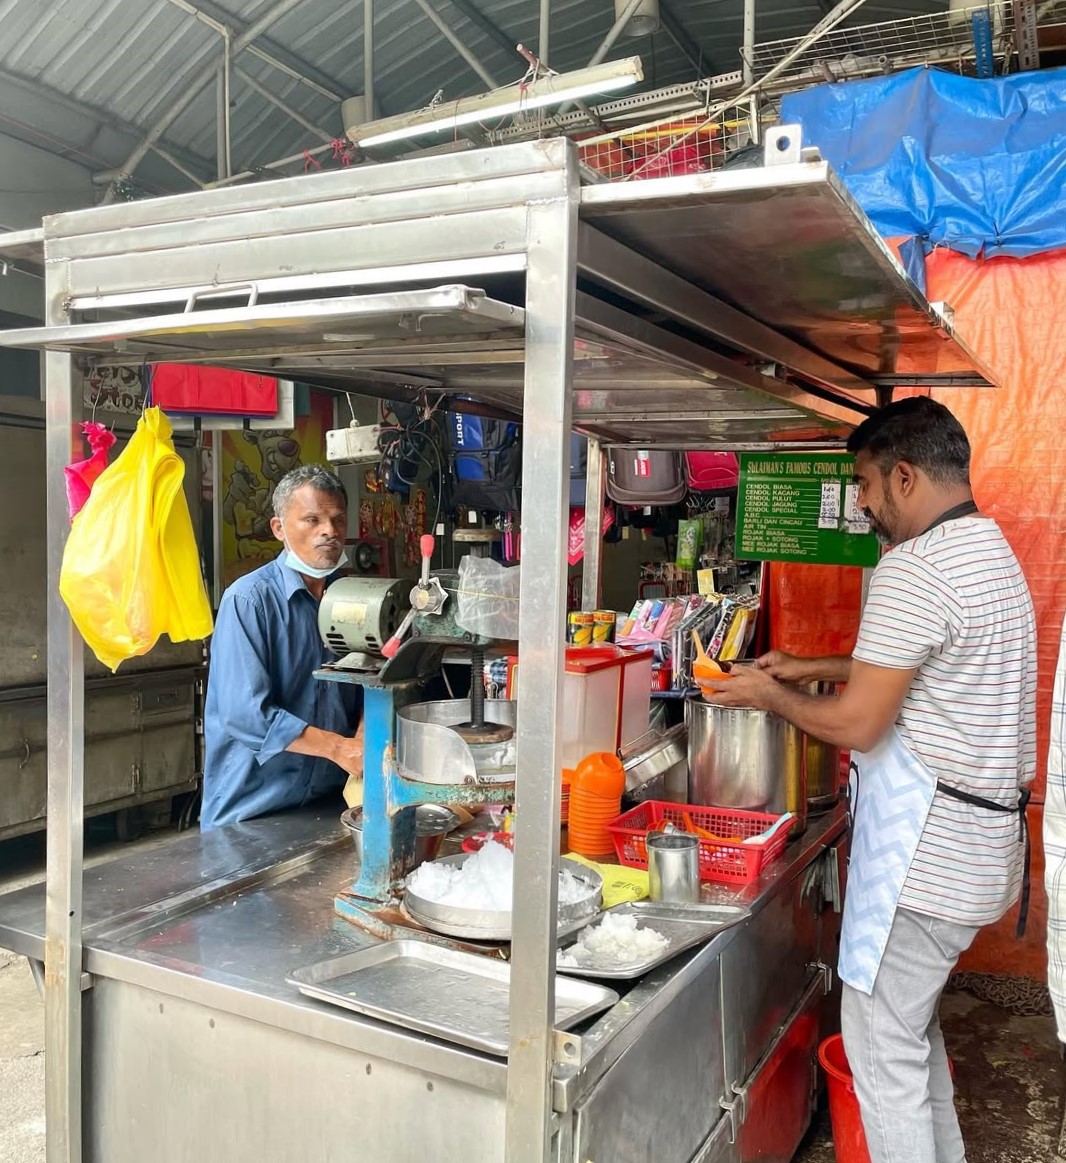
column 485, row 459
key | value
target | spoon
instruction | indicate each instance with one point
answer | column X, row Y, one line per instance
column 782, row 822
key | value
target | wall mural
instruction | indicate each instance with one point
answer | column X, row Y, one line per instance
column 252, row 464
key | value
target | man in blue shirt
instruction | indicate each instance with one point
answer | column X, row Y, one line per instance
column 274, row 736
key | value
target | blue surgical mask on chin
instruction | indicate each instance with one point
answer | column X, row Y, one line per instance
column 301, row 566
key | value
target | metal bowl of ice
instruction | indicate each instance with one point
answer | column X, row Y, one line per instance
column 475, row 903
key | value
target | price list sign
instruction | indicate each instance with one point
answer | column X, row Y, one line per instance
column 802, row 508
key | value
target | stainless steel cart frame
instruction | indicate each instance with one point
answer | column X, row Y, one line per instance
column 755, row 309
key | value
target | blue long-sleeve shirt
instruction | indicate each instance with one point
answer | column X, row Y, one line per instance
column 261, row 696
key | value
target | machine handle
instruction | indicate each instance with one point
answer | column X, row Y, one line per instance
column 426, row 545
column 393, row 645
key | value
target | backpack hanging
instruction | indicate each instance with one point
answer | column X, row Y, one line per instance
column 485, row 462
column 712, row 472
column 638, row 476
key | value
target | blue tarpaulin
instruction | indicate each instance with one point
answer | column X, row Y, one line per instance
column 976, row 165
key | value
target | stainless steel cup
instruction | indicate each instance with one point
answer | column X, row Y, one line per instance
column 673, row 867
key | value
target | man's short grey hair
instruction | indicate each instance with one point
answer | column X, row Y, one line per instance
column 317, row 476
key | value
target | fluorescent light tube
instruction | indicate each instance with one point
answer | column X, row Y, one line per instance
column 555, row 89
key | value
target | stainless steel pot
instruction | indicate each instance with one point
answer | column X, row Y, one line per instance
column 823, row 763
column 432, row 823
column 656, row 766
column 746, row 759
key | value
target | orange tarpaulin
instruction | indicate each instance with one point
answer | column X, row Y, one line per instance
column 1012, row 313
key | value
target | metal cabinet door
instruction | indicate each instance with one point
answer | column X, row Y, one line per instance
column 777, row 1101
column 660, row 1100
column 165, row 713
column 719, row 1146
column 766, row 967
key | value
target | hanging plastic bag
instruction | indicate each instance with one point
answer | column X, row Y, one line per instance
column 131, row 569
column 488, row 598
column 83, row 474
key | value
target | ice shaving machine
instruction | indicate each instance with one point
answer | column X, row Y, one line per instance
column 458, row 751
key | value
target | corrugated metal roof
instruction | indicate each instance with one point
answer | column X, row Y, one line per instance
column 97, row 76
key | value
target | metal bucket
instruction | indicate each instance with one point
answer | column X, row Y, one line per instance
column 745, row 759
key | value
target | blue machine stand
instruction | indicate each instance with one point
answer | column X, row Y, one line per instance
column 389, row 798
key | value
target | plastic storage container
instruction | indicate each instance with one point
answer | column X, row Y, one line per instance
column 606, row 699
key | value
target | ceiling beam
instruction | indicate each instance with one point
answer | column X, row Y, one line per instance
column 493, row 31
column 275, row 54
column 192, row 88
column 680, row 35
column 281, row 104
column 457, row 42
column 100, row 119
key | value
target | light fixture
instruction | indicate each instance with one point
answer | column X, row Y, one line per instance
column 644, row 21
column 554, row 89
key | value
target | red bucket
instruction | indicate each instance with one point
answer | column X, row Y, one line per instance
column 849, row 1139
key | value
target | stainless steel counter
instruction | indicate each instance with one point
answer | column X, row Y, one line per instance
column 220, row 920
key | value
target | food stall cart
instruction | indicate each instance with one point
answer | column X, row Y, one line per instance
column 754, row 309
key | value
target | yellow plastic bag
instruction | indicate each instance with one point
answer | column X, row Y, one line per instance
column 131, row 569
column 620, row 884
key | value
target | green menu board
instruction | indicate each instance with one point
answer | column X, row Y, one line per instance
column 802, row 508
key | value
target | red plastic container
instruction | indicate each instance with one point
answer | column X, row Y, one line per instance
column 849, row 1138
column 723, row 862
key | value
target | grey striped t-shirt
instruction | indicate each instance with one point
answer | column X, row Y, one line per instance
column 954, row 603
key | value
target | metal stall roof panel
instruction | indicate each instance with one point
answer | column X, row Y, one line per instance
column 634, row 382
column 434, row 320
column 787, row 245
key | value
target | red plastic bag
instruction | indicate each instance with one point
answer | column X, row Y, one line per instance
column 82, row 474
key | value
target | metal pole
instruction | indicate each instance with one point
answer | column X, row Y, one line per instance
column 66, row 758
column 194, row 87
column 550, row 298
column 456, row 43
column 255, row 51
column 592, row 563
column 227, row 100
column 220, row 127
column 608, row 42
column 368, row 58
column 748, row 55
column 284, row 106
column 542, row 35
column 170, row 159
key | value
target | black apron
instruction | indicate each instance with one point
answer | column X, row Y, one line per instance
column 967, row 509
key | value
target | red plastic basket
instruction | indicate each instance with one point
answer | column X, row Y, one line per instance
column 724, row 862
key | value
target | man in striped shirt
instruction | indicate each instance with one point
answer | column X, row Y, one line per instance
column 946, row 657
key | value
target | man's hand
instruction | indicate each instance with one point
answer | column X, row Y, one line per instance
column 348, row 754
column 801, row 671
column 346, row 751
column 746, row 686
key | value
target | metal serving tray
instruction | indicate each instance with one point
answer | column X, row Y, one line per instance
column 459, row 997
column 683, row 926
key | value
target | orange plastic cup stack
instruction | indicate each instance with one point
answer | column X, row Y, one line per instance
column 595, row 800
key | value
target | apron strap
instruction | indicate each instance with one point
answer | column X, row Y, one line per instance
column 1023, row 834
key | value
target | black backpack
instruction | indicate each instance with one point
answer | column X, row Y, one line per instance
column 485, row 462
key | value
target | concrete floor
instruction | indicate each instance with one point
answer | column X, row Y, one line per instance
column 1009, row 1085
column 1009, row 1080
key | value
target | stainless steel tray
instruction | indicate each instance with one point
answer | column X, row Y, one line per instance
column 459, row 997
column 495, row 924
column 683, row 926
